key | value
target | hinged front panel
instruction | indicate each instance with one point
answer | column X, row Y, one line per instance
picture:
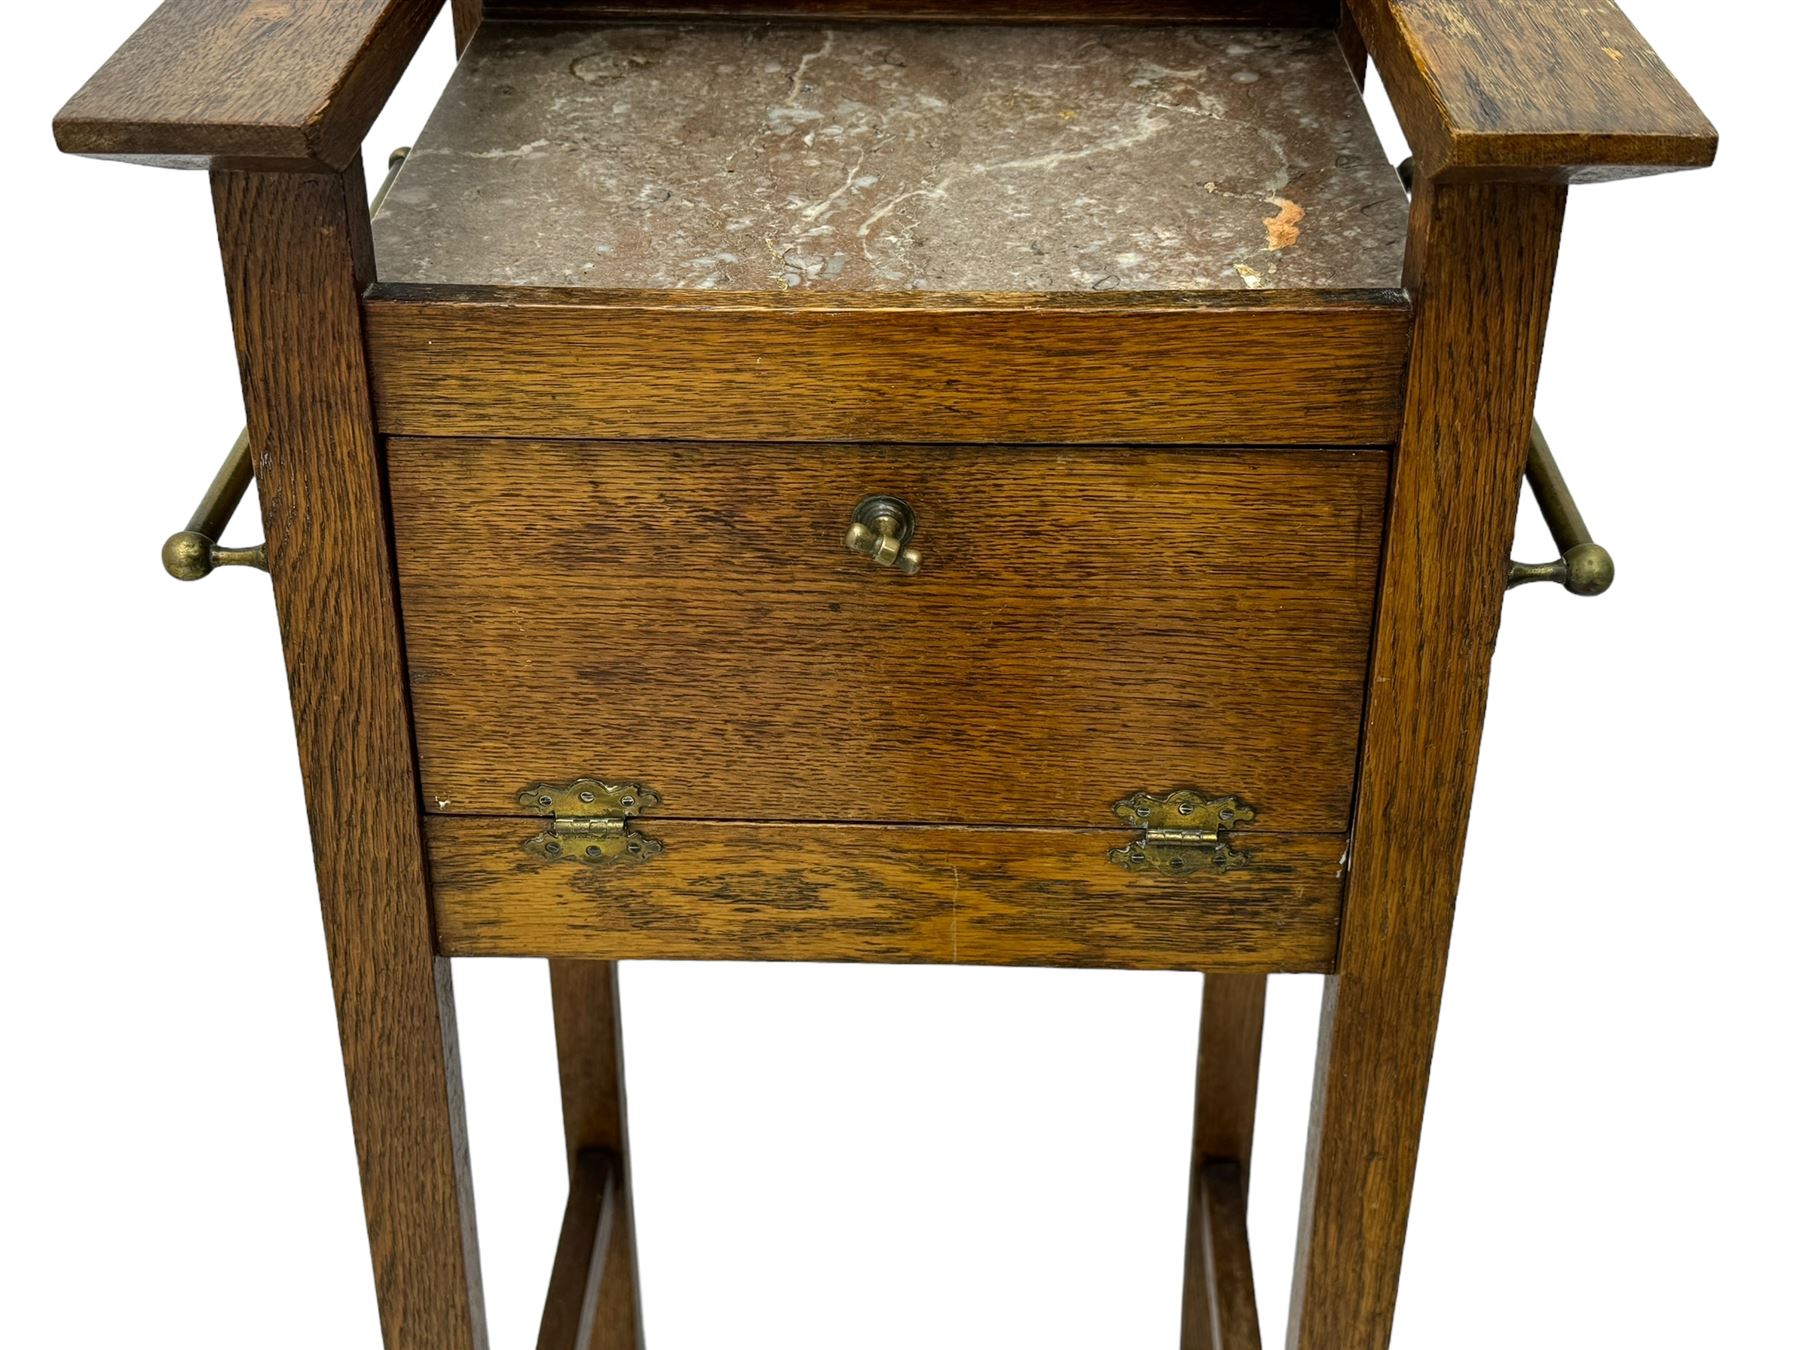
column 1006, row 636
column 893, row 894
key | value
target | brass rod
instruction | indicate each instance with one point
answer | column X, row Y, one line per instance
column 227, row 489
column 395, row 160
column 1584, row 568
column 1567, row 527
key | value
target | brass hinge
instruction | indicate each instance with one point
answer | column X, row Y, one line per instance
column 590, row 821
column 1183, row 830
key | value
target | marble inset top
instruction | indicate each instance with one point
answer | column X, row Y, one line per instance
column 891, row 157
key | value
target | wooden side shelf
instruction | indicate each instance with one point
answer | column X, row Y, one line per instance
column 590, row 1304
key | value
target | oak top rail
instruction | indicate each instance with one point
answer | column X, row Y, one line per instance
column 247, row 84
column 1551, row 90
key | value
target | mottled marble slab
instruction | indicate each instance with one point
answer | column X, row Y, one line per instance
column 890, row 157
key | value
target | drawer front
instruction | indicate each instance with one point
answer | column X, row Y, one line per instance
column 1262, row 368
column 1087, row 622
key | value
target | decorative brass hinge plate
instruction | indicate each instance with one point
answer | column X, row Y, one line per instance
column 591, row 822
column 1184, row 831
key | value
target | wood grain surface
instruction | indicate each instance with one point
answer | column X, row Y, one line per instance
column 466, row 18
column 247, row 84
column 1356, row 51
column 590, row 1061
column 1231, row 1035
column 1223, row 1223
column 896, row 895
column 1238, row 371
column 1217, row 1301
column 296, row 254
column 1482, row 260
column 1559, row 90
column 585, row 1257
column 1088, row 623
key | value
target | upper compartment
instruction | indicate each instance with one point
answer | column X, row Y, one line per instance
column 890, row 157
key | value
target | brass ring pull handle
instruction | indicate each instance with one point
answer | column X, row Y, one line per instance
column 880, row 528
column 193, row 553
column 1584, row 567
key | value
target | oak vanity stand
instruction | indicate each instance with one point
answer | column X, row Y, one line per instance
column 891, row 480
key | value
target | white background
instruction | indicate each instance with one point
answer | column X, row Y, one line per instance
column 832, row 1157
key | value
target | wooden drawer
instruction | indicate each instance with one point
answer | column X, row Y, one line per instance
column 1087, row 623
column 1238, row 367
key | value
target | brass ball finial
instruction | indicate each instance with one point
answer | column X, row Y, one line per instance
column 1590, row 569
column 188, row 556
